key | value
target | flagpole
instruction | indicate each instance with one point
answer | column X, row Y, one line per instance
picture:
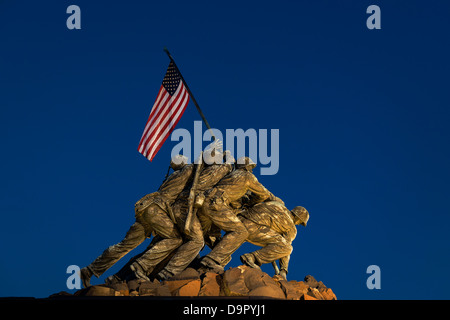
column 191, row 95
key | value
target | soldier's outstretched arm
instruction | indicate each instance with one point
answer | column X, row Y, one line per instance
column 275, row 198
column 258, row 190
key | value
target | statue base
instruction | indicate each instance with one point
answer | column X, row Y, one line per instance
column 241, row 281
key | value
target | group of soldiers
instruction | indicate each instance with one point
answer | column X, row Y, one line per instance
column 191, row 209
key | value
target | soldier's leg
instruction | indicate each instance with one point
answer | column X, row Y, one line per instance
column 274, row 245
column 134, row 237
column 205, row 221
column 187, row 252
column 235, row 235
column 126, row 273
column 170, row 240
column 273, row 251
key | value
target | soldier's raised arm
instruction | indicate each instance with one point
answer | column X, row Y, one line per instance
column 258, row 190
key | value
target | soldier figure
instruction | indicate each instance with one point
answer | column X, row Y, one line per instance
column 151, row 213
column 272, row 226
column 220, row 209
column 194, row 240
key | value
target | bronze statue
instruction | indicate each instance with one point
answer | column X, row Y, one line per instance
column 272, row 226
column 191, row 208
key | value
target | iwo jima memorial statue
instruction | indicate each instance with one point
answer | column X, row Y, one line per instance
column 215, row 202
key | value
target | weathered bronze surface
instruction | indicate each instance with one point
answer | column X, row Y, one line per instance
column 216, row 198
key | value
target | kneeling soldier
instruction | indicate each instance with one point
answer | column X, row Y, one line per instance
column 272, row 226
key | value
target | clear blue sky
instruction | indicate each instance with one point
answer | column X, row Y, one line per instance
column 363, row 118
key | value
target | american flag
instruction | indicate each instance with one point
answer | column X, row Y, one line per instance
column 167, row 110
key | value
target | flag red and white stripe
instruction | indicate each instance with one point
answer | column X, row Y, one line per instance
column 167, row 110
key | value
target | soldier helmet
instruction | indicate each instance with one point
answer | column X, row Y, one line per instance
column 177, row 162
column 245, row 162
column 302, row 214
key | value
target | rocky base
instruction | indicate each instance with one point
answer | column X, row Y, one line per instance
column 241, row 281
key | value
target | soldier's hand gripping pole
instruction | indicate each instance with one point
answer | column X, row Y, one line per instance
column 190, row 214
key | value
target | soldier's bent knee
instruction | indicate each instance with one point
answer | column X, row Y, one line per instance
column 290, row 248
column 243, row 232
column 199, row 242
